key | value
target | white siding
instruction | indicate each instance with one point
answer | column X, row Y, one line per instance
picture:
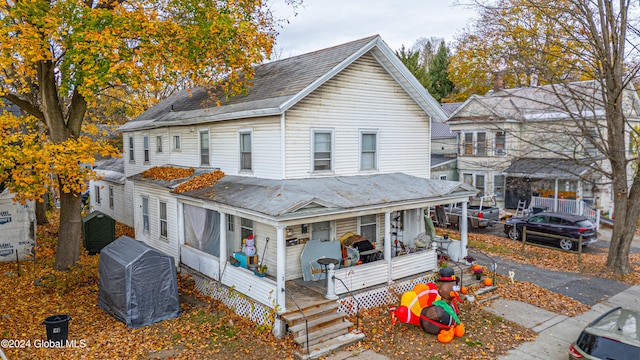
column 152, row 238
column 122, row 211
column 362, row 97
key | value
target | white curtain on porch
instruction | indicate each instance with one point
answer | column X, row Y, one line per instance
column 202, row 229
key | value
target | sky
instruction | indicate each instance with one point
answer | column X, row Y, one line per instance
column 324, row 23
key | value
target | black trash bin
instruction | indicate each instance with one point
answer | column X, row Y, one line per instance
column 57, row 327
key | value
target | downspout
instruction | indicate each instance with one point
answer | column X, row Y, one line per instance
column 180, row 229
column 283, row 165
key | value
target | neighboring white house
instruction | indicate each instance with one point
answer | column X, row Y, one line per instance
column 323, row 144
column 524, row 142
column 112, row 194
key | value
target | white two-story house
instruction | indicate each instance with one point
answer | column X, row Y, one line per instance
column 534, row 141
column 322, row 145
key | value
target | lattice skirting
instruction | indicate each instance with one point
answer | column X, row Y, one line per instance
column 237, row 302
column 383, row 295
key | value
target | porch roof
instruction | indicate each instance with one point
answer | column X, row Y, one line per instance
column 293, row 198
column 546, row 168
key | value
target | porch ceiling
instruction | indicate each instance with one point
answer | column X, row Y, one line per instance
column 281, row 199
column 546, row 168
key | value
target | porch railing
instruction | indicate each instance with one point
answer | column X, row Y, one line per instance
column 568, row 206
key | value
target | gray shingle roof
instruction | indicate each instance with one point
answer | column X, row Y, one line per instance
column 277, row 86
column 441, row 130
column 439, row 159
column 295, row 197
column 546, row 168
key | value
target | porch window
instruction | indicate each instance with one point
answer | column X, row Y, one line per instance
column 202, row 229
column 96, row 189
column 145, row 144
column 481, row 143
column 322, row 150
column 245, row 151
column 368, row 227
column 145, row 214
column 110, row 197
column 500, row 142
column 246, row 227
column 204, row 147
column 163, row 219
column 368, row 149
column 231, row 223
column 321, row 231
column 132, row 157
column 159, row 143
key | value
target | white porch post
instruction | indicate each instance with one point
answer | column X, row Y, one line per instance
column 464, row 231
column 579, row 209
column 281, row 261
column 281, row 301
column 387, row 245
column 223, row 244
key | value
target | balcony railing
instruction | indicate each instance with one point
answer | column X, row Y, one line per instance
column 568, row 206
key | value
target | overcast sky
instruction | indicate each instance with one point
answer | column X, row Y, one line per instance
column 325, row 23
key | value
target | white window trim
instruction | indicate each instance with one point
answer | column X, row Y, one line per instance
column 96, row 189
column 173, row 142
column 240, row 133
column 145, row 214
column 161, row 220
column 377, row 231
column 146, row 152
column 375, row 132
column 313, row 150
column 159, row 144
column 474, row 146
column 131, row 148
column 111, row 199
column 504, row 150
column 200, row 131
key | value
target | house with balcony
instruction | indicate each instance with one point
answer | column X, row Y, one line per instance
column 539, row 144
column 324, row 148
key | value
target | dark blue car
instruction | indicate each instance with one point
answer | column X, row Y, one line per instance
column 552, row 223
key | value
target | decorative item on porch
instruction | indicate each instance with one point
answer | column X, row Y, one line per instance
column 261, row 270
column 249, row 246
column 426, row 306
column 233, row 261
column 477, row 271
column 470, row 260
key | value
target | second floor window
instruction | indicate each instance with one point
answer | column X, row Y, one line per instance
column 322, row 147
column 474, row 143
column 176, row 142
column 131, row 154
column 110, row 197
column 245, row 151
column 499, row 143
column 204, row 147
column 96, row 189
column 163, row 219
column 145, row 143
column 145, row 214
column 368, row 158
column 481, row 143
column 468, row 144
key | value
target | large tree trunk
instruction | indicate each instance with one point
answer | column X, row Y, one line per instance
column 41, row 210
column 69, row 233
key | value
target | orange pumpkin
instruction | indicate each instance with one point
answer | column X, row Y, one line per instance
column 488, row 282
column 476, row 267
column 445, row 336
column 463, row 290
column 458, row 330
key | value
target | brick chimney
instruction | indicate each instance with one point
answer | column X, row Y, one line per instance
column 498, row 81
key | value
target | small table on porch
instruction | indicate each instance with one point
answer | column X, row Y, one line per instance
column 324, row 262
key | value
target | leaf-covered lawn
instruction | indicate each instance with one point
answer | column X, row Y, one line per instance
column 207, row 329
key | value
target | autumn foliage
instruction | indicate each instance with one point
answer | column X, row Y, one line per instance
column 200, row 182
column 168, row 173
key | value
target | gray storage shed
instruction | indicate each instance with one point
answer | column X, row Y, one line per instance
column 138, row 283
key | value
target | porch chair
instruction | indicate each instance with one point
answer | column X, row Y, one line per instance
column 315, row 270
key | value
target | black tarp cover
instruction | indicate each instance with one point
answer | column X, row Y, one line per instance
column 138, row 284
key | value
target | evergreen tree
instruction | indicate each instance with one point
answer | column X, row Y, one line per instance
column 438, row 83
column 411, row 59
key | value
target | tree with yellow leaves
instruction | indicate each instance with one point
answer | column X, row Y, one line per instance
column 58, row 57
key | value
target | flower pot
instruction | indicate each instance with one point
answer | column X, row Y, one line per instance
column 259, row 274
column 478, row 276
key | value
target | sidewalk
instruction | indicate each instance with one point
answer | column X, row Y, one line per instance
column 555, row 332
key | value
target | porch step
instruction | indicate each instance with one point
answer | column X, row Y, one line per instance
column 319, row 327
column 329, row 346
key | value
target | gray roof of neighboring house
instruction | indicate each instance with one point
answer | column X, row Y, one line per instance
column 112, row 170
column 546, row 168
column 307, row 197
column 550, row 102
column 449, row 108
column 441, row 131
column 278, row 85
column 439, row 159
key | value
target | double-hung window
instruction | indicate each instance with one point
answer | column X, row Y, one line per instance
column 110, row 196
column 204, row 147
column 499, row 143
column 322, row 150
column 145, row 214
column 96, row 190
column 132, row 157
column 163, row 219
column 474, row 143
column 368, row 227
column 481, row 143
column 368, row 150
column 176, row 142
column 145, row 143
column 245, row 150
column 159, row 143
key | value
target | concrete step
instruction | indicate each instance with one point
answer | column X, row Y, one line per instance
column 294, row 316
column 325, row 348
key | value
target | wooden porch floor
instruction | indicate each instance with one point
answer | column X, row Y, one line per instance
column 305, row 293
